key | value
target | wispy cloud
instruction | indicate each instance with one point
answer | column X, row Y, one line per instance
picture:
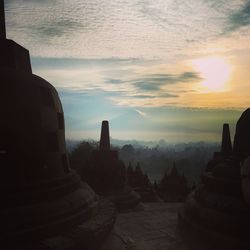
column 95, row 76
column 240, row 18
column 114, row 81
column 143, row 114
column 154, row 82
column 97, row 29
column 154, row 96
column 124, row 60
column 58, row 28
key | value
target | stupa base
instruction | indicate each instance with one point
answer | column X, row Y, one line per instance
column 147, row 194
column 89, row 235
column 125, row 199
column 209, row 228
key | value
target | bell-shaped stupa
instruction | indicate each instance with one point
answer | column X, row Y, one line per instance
column 44, row 204
column 216, row 214
column 106, row 174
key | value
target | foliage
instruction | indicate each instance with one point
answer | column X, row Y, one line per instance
column 191, row 159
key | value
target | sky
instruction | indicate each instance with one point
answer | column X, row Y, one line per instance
column 156, row 69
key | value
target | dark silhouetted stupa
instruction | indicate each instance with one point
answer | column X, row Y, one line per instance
column 106, row 174
column 44, row 204
column 173, row 186
column 225, row 150
column 130, row 175
column 241, row 148
column 216, row 214
column 140, row 182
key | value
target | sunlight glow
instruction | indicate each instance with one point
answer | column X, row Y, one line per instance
column 215, row 72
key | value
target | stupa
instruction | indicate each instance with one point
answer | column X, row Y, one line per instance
column 141, row 184
column 44, row 204
column 242, row 150
column 173, row 186
column 106, row 174
column 216, row 215
column 225, row 150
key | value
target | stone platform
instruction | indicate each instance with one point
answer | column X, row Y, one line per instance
column 154, row 228
column 89, row 235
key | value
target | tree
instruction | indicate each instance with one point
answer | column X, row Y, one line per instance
column 81, row 154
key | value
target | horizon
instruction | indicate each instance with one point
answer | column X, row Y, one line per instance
column 195, row 131
column 154, row 69
column 71, row 143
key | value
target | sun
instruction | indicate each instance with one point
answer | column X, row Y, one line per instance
column 214, row 71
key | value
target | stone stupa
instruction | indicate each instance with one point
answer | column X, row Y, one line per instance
column 106, row 174
column 173, row 186
column 226, row 148
column 141, row 184
column 216, row 215
column 44, row 204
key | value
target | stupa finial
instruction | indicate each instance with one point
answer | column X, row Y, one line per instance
column 2, row 20
column 226, row 144
column 105, row 142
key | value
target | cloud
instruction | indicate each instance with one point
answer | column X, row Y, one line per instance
column 188, row 76
column 240, row 18
column 143, row 114
column 167, row 95
column 154, row 82
column 58, row 28
column 114, row 81
column 96, row 28
column 155, row 96
column 65, row 62
column 133, row 82
column 145, row 85
column 143, row 96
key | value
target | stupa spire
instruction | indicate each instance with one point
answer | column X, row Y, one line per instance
column 104, row 141
column 2, row 20
column 226, row 144
column 13, row 56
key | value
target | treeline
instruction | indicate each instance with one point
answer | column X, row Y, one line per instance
column 190, row 159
